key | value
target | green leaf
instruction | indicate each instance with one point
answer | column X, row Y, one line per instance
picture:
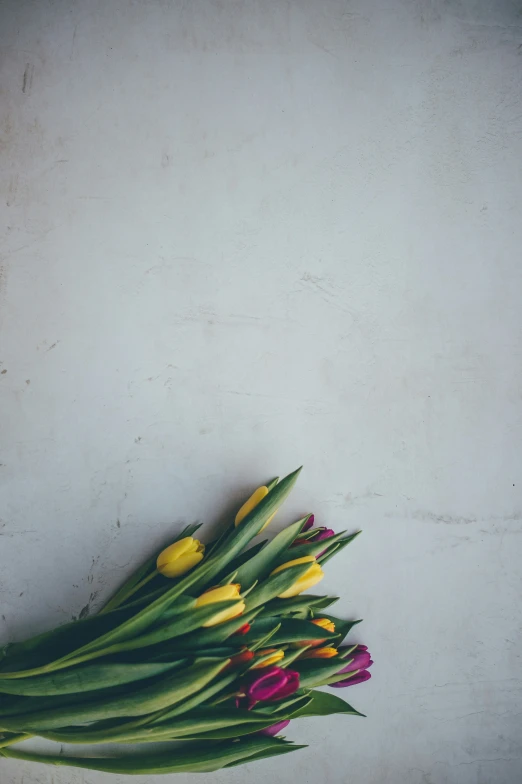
column 266, row 754
column 313, row 671
column 43, row 648
column 324, row 703
column 278, row 710
column 269, row 557
column 237, row 539
column 336, row 548
column 191, row 758
column 262, row 641
column 181, row 625
column 292, row 655
column 295, row 630
column 215, row 687
column 207, row 723
column 215, row 634
column 311, row 548
column 139, row 702
column 143, row 571
column 84, row 678
column 305, row 601
column 342, row 627
column 275, row 585
column 236, row 563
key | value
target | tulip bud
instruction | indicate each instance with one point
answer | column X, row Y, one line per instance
column 272, row 685
column 360, row 677
column 275, row 729
column 318, row 536
column 240, row 658
column 356, row 669
column 320, row 653
column 307, row 580
column 222, row 593
column 180, row 557
column 256, row 497
column 243, row 629
column 323, row 623
column 277, row 655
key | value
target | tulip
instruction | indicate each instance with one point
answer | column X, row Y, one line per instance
column 320, row 653
column 222, row 593
column 361, row 677
column 277, row 655
column 256, row 497
column 356, row 668
column 243, row 629
column 275, row 729
column 180, row 557
column 243, row 657
column 318, row 536
column 272, row 685
column 310, row 578
column 323, row 623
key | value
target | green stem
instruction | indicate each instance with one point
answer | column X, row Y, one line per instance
column 122, row 599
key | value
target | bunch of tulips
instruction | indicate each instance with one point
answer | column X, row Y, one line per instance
column 213, row 649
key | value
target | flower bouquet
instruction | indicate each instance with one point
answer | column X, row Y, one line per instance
column 213, row 649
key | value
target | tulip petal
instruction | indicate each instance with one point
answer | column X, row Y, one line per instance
column 361, row 677
column 181, row 565
column 226, row 615
column 268, row 684
column 291, row 685
column 251, row 504
column 275, row 729
column 360, row 661
column 308, row 580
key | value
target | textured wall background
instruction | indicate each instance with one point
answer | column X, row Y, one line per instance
column 238, row 236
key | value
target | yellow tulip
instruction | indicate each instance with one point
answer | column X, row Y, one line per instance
column 180, row 557
column 251, row 504
column 323, row 623
column 222, row 593
column 276, row 656
column 320, row 653
column 307, row 580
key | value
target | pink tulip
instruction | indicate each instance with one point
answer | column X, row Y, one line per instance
column 273, row 684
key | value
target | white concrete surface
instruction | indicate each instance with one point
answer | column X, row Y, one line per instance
column 239, row 236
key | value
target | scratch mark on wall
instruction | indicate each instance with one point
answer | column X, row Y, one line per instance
column 73, row 42
column 27, row 81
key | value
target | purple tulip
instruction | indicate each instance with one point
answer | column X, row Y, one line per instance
column 322, row 533
column 356, row 668
column 317, row 536
column 361, row 676
column 360, row 660
column 275, row 729
column 273, row 684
